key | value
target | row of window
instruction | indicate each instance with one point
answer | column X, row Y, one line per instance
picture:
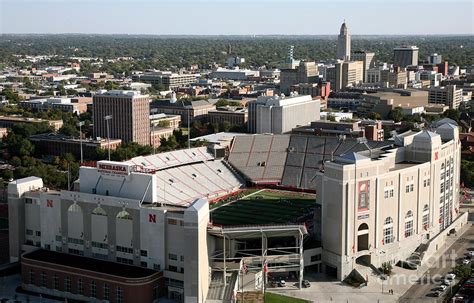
column 175, row 257
column 30, row 232
column 409, row 231
column 80, row 286
column 124, row 249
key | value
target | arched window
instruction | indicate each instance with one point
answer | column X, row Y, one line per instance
column 388, row 231
column 124, row 215
column 75, row 208
column 409, row 224
column 425, row 221
column 99, row 211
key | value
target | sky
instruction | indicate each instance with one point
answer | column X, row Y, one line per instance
column 231, row 17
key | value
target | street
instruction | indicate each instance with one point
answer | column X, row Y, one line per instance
column 444, row 264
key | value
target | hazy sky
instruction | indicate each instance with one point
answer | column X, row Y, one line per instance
column 244, row 17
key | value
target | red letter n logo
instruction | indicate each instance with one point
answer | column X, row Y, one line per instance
column 152, row 218
column 49, row 203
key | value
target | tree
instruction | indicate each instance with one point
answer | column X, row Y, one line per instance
column 69, row 130
column 396, row 114
column 453, row 114
column 462, row 271
column 387, row 268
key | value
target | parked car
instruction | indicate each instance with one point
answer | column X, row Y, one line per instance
column 282, row 283
column 306, row 284
column 447, row 282
column 451, row 276
column 470, row 253
column 466, row 261
column 437, row 294
column 441, row 288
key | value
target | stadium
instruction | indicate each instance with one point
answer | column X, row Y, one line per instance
column 217, row 223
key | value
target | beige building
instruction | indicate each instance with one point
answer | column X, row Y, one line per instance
column 8, row 121
column 231, row 114
column 367, row 58
column 305, row 72
column 130, row 116
column 394, row 78
column 381, row 207
column 345, row 74
column 448, row 95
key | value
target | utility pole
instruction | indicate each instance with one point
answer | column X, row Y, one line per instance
column 107, row 118
column 80, row 124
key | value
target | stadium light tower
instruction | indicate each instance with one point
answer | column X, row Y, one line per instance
column 80, row 124
column 107, row 118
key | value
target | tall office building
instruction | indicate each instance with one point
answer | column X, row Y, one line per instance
column 367, row 58
column 345, row 74
column 130, row 113
column 344, row 43
column 405, row 56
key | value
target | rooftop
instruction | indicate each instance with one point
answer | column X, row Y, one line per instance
column 89, row 264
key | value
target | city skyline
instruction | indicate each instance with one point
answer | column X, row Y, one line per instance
column 211, row 17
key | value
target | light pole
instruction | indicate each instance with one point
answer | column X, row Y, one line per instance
column 107, row 118
column 80, row 124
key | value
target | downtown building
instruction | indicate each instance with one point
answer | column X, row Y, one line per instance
column 129, row 113
column 383, row 205
column 405, row 56
column 278, row 115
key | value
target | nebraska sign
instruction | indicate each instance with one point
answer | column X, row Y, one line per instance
column 113, row 168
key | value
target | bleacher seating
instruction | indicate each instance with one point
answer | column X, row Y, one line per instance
column 290, row 160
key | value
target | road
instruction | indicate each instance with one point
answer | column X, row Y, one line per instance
column 430, row 280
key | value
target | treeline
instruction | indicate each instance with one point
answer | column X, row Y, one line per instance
column 165, row 52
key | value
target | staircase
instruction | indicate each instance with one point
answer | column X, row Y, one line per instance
column 369, row 269
column 217, row 291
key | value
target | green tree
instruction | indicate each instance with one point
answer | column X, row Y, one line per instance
column 396, row 114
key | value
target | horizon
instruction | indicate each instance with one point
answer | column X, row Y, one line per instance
column 236, row 18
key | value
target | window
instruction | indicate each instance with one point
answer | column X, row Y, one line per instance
column 316, row 258
column 182, row 258
column 156, row 266
column 29, row 232
column 143, row 264
column 28, row 201
column 388, row 231
column 173, row 268
column 385, row 194
column 99, row 211
column 391, row 193
column 172, row 222
column 93, row 289
column 124, row 249
column 442, row 188
column 55, row 281
column 119, row 298
column 124, row 260
column 59, row 238
column 44, row 279
column 76, row 252
column 143, row 253
column 32, row 277
column 407, row 188
column 67, row 284
column 172, row 257
column 100, row 245
column 409, row 224
column 80, row 287
column 38, row 233
column 426, row 217
column 75, row 241
column 124, row 215
column 412, row 187
column 106, row 292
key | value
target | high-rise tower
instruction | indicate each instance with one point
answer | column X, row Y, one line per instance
column 344, row 43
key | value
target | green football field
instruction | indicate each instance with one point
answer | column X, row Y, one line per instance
column 265, row 207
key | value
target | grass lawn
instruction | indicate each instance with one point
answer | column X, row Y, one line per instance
column 266, row 207
column 274, row 298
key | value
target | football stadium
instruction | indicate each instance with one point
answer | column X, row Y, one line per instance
column 222, row 223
